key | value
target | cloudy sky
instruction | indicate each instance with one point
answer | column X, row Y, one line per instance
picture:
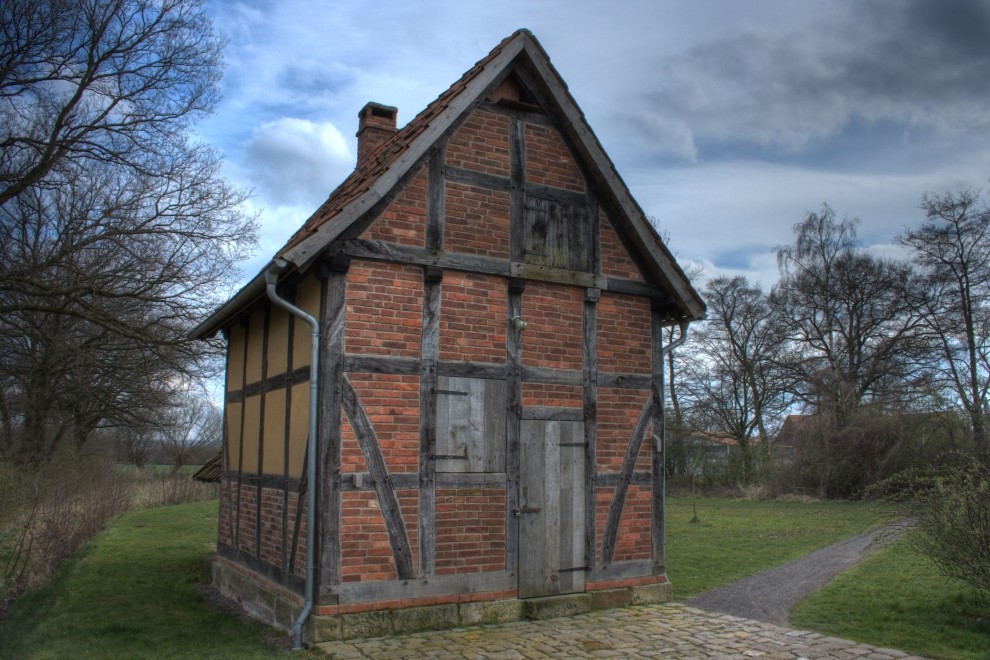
column 728, row 120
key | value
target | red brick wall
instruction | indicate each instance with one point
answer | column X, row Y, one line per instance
column 624, row 335
column 248, row 509
column 384, row 309
column 473, row 322
column 541, row 394
column 481, row 143
column 392, row 404
column 224, row 526
column 618, row 410
column 634, row 538
column 555, row 335
column 271, row 526
column 615, row 260
column 404, row 221
column 470, row 530
column 299, row 564
column 365, row 549
column 476, row 221
column 549, row 161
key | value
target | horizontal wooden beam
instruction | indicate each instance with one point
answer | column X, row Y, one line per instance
column 623, row 569
column 363, row 481
column 553, row 413
column 480, row 179
column 437, row 585
column 416, row 256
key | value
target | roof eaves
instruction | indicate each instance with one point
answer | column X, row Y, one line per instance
column 248, row 294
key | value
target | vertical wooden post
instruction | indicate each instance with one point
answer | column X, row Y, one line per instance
column 435, row 198
column 594, row 225
column 590, row 417
column 513, row 425
column 428, row 420
column 429, row 357
column 656, row 442
column 513, row 398
column 332, row 321
column 517, row 191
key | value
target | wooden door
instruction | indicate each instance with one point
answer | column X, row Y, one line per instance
column 551, row 508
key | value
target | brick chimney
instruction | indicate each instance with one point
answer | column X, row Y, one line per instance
column 376, row 123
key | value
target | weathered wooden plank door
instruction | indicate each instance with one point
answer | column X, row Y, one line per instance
column 551, row 508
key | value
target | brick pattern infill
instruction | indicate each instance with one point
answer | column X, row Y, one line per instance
column 646, row 631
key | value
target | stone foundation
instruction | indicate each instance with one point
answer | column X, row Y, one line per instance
column 279, row 608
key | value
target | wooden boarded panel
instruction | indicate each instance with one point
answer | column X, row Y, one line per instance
column 557, row 235
column 273, row 458
column 551, row 509
column 470, row 425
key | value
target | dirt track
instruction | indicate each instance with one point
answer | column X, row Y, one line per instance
column 770, row 595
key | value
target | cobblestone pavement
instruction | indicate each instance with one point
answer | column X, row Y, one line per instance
column 646, row 631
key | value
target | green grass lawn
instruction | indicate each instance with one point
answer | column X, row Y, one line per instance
column 897, row 598
column 736, row 538
column 134, row 592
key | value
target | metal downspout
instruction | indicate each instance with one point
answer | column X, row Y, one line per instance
column 662, row 439
column 271, row 279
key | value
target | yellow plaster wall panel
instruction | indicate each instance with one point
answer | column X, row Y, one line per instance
column 252, row 422
column 274, row 449
column 235, row 362
column 278, row 342
column 233, row 434
column 255, row 338
column 308, row 299
column 298, row 428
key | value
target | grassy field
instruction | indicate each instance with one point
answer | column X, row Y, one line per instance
column 897, row 598
column 137, row 591
column 736, row 538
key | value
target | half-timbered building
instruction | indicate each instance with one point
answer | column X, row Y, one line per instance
column 488, row 378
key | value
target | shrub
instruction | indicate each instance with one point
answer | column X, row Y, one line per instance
column 952, row 507
column 51, row 512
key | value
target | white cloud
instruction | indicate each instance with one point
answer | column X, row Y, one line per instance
column 293, row 161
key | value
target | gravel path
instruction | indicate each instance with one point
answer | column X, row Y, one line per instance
column 769, row 596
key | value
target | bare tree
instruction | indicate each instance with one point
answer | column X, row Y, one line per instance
column 116, row 230
column 739, row 383
column 113, row 81
column 850, row 315
column 190, row 431
column 952, row 247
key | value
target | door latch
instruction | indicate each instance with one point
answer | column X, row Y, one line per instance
column 526, row 509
